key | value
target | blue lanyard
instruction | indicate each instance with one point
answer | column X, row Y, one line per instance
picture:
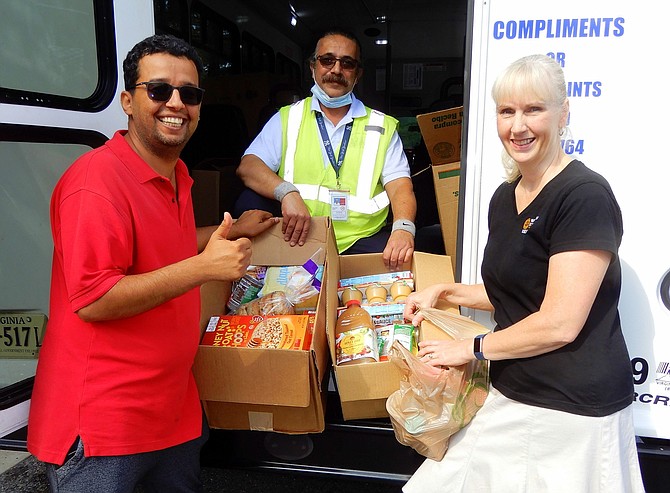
column 329, row 147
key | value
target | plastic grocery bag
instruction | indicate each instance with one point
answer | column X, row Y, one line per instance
column 434, row 403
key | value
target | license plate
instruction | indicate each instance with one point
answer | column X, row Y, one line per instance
column 21, row 334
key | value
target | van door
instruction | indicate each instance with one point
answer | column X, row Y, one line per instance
column 59, row 90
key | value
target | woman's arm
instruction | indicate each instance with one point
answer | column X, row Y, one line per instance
column 573, row 282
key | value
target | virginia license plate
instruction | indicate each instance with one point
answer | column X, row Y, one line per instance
column 21, row 334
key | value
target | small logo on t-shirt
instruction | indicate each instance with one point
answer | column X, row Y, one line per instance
column 527, row 224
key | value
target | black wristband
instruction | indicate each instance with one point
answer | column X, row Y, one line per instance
column 477, row 349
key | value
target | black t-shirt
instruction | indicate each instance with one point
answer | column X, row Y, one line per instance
column 576, row 210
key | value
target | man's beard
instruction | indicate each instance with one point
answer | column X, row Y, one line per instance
column 167, row 146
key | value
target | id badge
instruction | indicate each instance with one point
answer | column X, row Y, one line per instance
column 339, row 205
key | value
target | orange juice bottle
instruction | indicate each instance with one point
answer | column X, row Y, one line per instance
column 355, row 336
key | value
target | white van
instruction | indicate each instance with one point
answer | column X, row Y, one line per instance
column 60, row 83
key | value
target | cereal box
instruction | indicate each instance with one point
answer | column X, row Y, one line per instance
column 256, row 331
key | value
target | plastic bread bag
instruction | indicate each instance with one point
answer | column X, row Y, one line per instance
column 453, row 324
column 434, row 403
column 275, row 303
column 285, row 287
column 244, row 290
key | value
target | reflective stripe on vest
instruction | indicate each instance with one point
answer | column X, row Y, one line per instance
column 293, row 127
column 358, row 202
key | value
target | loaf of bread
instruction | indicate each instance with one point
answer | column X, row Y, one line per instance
column 274, row 303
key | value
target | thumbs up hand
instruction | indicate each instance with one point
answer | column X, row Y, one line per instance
column 227, row 260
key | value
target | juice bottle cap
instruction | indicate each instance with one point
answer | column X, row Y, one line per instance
column 353, row 301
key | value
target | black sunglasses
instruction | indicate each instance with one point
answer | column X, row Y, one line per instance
column 162, row 91
column 346, row 62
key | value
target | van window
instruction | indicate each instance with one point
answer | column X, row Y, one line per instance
column 33, row 159
column 52, row 50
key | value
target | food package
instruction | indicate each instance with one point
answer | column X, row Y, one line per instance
column 253, row 331
column 247, row 288
column 389, row 281
column 285, row 287
column 275, row 303
column 405, row 334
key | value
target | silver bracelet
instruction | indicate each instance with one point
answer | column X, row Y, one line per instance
column 282, row 189
column 405, row 225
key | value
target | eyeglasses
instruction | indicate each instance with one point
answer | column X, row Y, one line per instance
column 162, row 91
column 346, row 62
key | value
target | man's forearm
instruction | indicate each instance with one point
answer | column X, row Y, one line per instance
column 257, row 176
column 403, row 201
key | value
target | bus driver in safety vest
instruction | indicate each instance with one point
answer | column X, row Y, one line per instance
column 329, row 155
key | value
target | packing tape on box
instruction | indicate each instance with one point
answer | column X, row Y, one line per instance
column 260, row 421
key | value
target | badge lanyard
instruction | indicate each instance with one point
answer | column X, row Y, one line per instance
column 339, row 199
column 329, row 147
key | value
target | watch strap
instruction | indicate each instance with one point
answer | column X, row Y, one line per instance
column 477, row 349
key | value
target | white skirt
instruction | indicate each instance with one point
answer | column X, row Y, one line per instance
column 511, row 447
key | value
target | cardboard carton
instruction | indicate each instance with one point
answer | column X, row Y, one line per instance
column 270, row 389
column 441, row 131
column 446, row 178
column 363, row 388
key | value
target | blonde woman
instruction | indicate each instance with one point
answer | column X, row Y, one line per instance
column 558, row 417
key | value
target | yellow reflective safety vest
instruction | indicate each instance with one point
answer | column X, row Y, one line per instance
column 302, row 164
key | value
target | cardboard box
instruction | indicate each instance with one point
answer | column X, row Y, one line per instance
column 270, row 389
column 363, row 388
column 446, row 178
column 441, row 131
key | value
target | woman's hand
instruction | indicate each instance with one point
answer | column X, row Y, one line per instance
column 426, row 298
column 446, row 352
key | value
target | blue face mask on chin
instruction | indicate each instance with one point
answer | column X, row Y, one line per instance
column 328, row 101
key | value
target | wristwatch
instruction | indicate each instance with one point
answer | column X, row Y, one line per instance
column 478, row 347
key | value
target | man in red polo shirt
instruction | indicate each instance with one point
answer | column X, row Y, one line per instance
column 115, row 403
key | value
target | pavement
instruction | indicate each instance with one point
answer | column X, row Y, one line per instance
column 22, row 473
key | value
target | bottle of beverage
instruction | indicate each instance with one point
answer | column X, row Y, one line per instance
column 355, row 336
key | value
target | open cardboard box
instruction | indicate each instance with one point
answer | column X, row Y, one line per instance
column 269, row 389
column 364, row 388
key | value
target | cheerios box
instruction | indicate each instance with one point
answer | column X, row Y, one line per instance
column 268, row 388
column 364, row 388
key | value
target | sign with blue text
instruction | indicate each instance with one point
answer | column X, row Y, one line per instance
column 617, row 126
